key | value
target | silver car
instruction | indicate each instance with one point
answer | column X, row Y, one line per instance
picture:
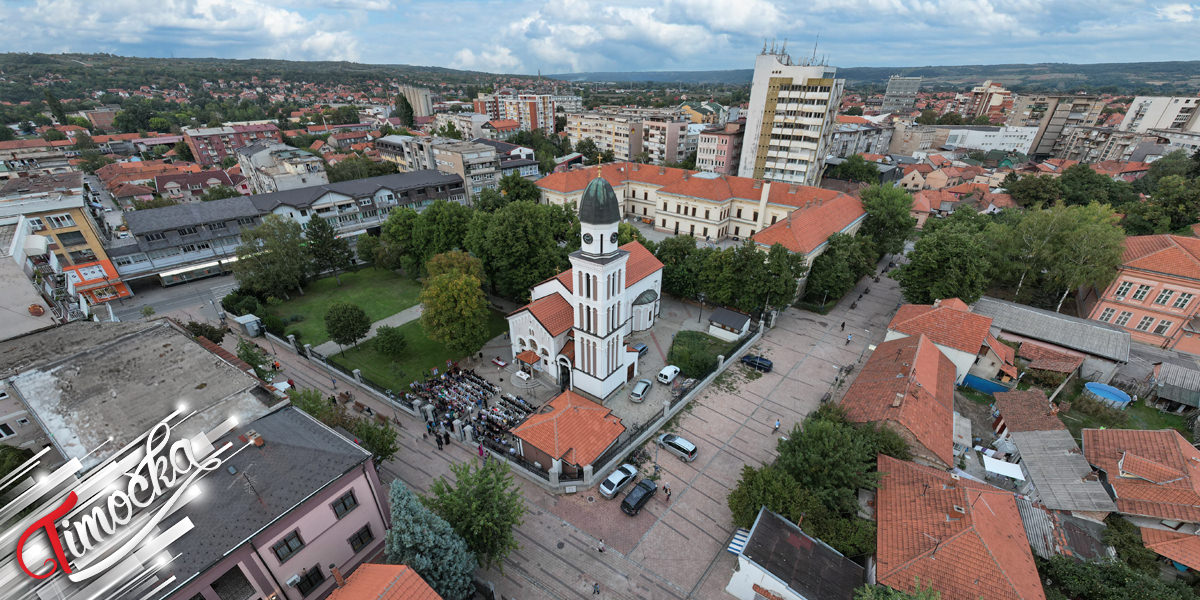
column 685, row 450
column 620, row 478
column 640, row 389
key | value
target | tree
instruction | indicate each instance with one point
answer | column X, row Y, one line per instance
column 607, row 156
column 881, row 592
column 587, row 148
column 314, row 403
column 377, row 437
column 271, row 259
column 328, row 251
column 53, row 135
column 449, row 130
column 90, row 161
column 829, row 459
column 1033, row 190
column 774, row 488
column 950, row 118
column 854, row 111
column 855, row 168
column 455, row 312
column 1179, row 199
column 483, row 506
column 981, row 120
column 367, row 246
column 441, row 227
column 251, row 354
column 928, row 117
column 357, row 167
column 211, row 333
column 155, row 202
column 1089, row 251
column 516, row 188
column 489, row 200
column 219, row 192
column 83, row 142
column 1126, row 539
column 229, row 162
column 183, row 151
column 404, row 111
column 396, row 242
column 836, row 271
column 1173, row 163
column 1068, row 577
column 642, row 157
column 782, row 274
column 1082, row 185
column 56, row 108
column 889, row 221
column 946, row 263
column 7, row 134
column 681, row 267
column 346, row 323
column 147, row 311
column 428, row 545
column 12, row 457
column 518, row 245
column 390, row 341
column 455, row 261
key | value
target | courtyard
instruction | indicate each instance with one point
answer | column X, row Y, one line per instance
column 379, row 292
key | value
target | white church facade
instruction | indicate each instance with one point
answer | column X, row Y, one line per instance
column 575, row 327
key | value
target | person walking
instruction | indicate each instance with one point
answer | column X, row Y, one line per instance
column 843, row 325
column 776, row 426
column 595, row 589
column 667, row 491
column 600, row 548
column 438, row 437
column 481, row 451
column 848, row 338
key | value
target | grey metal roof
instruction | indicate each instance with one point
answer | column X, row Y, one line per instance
column 1052, row 533
column 1092, row 337
column 189, row 214
column 807, row 565
column 729, row 318
column 1178, row 384
column 299, row 457
column 599, row 205
column 1057, row 469
column 355, row 188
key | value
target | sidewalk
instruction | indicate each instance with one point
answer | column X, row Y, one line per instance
column 411, row 313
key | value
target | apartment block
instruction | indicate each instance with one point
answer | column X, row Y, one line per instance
column 211, row 145
column 532, row 111
column 570, row 104
column 987, row 138
column 719, row 149
column 274, row 167
column 477, row 164
column 790, row 121
column 419, row 98
column 665, row 140
column 1051, row 114
column 469, row 124
column 620, row 133
column 1163, row 112
column 990, row 99
column 856, row 135
column 901, row 94
column 56, row 209
column 1096, row 144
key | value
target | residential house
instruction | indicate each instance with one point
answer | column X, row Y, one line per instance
column 189, row 187
column 125, row 194
column 1154, row 477
column 914, row 176
column 961, row 537
column 1173, row 387
column 500, row 129
column 1104, row 347
column 382, row 582
column 781, row 562
column 960, row 334
column 908, row 386
column 569, row 437
column 1153, row 296
column 345, row 139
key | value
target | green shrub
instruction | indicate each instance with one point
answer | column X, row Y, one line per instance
column 295, row 318
column 274, row 325
column 695, row 353
column 212, row 333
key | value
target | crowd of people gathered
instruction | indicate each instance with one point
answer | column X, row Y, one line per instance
column 461, row 394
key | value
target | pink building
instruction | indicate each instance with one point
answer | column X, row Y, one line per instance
column 210, row 145
column 273, row 524
column 720, row 149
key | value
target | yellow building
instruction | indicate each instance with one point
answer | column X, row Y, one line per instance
column 56, row 209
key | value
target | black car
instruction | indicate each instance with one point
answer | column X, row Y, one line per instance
column 638, row 497
column 758, row 363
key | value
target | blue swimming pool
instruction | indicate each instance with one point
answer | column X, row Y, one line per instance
column 1107, row 394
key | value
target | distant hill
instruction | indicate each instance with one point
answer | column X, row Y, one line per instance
column 1151, row 77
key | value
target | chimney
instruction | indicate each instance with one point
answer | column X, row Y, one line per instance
column 898, row 399
column 662, row 170
column 758, row 184
column 253, row 437
column 337, row 576
column 686, row 174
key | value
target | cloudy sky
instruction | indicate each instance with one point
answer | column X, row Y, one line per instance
column 523, row 36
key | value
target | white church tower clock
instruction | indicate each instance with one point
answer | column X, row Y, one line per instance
column 598, row 287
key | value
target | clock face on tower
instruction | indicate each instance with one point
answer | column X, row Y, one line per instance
column 613, row 238
column 587, row 238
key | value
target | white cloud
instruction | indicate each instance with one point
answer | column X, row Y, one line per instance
column 499, row 60
column 1178, row 13
column 748, row 17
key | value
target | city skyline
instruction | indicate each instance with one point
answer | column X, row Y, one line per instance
column 577, row 36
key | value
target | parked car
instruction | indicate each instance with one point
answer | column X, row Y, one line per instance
column 685, row 450
column 641, row 349
column 640, row 389
column 758, row 363
column 638, row 497
column 668, row 374
column 617, row 481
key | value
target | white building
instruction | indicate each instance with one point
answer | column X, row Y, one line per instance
column 275, row 167
column 420, row 99
column 571, row 104
column 620, row 133
column 576, row 324
column 470, row 124
column 790, row 121
column 665, row 140
column 982, row 137
column 1162, row 112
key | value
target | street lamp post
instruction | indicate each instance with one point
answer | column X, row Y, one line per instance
column 700, row 297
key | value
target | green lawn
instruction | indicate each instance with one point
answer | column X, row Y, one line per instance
column 423, row 354
column 379, row 292
column 695, row 353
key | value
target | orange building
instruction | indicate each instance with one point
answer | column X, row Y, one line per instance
column 1154, row 294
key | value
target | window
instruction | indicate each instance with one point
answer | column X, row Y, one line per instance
column 1145, row 323
column 71, row 238
column 310, row 580
column 1183, row 300
column 220, row 225
column 6, row 431
column 36, row 225
column 361, row 538
column 1163, row 326
column 739, row 213
column 186, row 231
column 59, row 221
column 774, row 218
column 188, row 248
column 345, row 504
column 1164, row 296
column 154, row 237
column 285, row 548
column 246, row 221
column 755, row 219
column 1141, row 292
column 1123, row 318
column 1107, row 315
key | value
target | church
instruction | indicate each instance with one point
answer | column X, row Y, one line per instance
column 575, row 327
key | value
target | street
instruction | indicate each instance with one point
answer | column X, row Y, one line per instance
column 193, row 300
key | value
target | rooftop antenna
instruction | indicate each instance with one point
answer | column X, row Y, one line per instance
column 814, row 54
column 784, row 49
column 764, row 50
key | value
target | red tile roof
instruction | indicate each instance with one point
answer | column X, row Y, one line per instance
column 1049, row 359
column 962, row 537
column 641, row 264
column 613, row 173
column 808, row 227
column 933, row 199
column 504, row 124
column 528, row 357
column 126, row 190
column 1170, row 254
column 553, row 312
column 384, row 582
column 576, row 429
column 909, row 383
column 963, row 189
column 854, row 119
column 217, row 177
column 948, row 323
column 1153, row 473
column 1183, row 548
column 1008, row 356
column 1027, row 410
